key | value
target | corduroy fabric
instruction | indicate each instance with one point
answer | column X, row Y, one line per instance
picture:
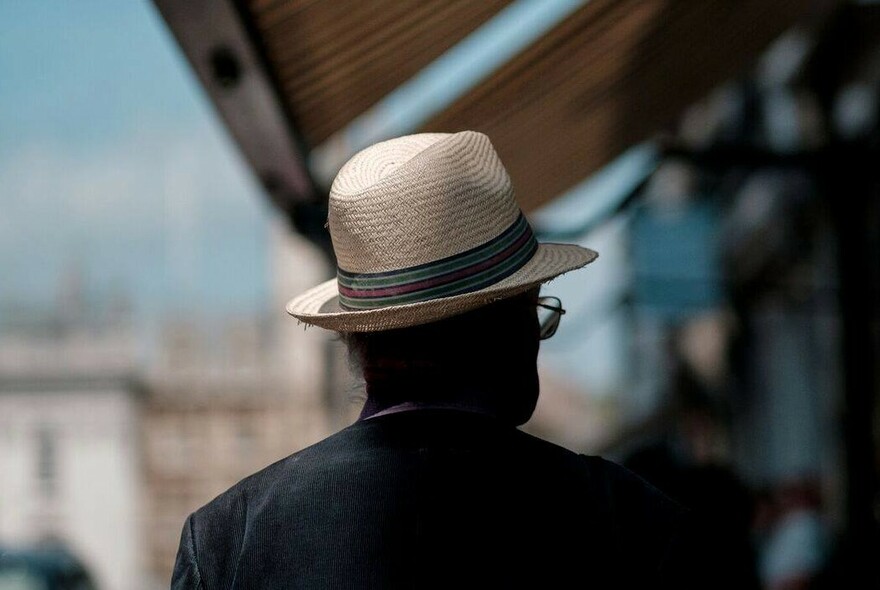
column 437, row 499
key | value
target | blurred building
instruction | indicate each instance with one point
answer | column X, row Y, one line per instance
column 106, row 453
column 70, row 406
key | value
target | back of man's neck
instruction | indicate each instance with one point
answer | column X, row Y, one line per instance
column 393, row 396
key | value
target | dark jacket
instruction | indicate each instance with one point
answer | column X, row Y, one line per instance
column 436, row 499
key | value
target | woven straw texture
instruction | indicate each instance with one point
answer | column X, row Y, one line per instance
column 416, row 200
column 408, row 201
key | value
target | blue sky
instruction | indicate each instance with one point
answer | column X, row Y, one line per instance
column 112, row 163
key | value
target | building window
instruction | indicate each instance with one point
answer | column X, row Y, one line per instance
column 47, row 460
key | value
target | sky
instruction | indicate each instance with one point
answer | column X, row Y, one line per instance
column 113, row 166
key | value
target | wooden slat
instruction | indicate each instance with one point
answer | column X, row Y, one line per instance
column 611, row 75
column 348, row 86
column 334, row 59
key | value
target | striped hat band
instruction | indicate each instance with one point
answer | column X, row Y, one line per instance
column 461, row 273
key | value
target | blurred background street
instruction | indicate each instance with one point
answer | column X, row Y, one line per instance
column 164, row 169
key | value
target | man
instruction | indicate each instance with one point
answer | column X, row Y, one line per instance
column 434, row 486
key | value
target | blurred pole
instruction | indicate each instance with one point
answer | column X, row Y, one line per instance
column 852, row 191
column 849, row 181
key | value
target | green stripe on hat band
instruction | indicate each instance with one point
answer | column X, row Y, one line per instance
column 468, row 284
column 364, row 281
column 459, row 288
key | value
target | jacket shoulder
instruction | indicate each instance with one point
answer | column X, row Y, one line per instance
column 216, row 531
column 231, row 504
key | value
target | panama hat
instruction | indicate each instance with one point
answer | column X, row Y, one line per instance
column 425, row 227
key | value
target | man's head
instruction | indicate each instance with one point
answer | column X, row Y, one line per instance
column 490, row 352
column 438, row 271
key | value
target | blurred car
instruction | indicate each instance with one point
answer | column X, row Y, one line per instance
column 43, row 568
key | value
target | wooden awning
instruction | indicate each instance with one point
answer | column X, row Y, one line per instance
column 608, row 76
column 335, row 59
column 613, row 74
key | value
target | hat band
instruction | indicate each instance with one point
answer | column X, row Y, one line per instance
column 466, row 272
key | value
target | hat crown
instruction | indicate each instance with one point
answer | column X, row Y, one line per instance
column 418, row 199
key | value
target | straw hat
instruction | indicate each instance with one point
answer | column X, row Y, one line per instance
column 425, row 227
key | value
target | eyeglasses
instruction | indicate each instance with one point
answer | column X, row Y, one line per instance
column 549, row 312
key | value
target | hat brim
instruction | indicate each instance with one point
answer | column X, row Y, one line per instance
column 319, row 306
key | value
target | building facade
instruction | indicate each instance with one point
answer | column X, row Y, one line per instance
column 70, row 405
